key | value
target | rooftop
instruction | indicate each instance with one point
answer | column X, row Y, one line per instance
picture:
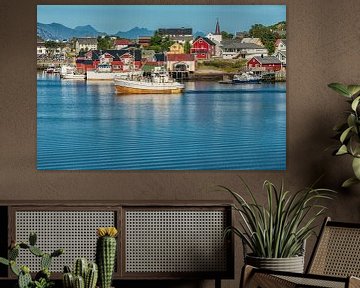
column 268, row 60
column 87, row 41
column 237, row 44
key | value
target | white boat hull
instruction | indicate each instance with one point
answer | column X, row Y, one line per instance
column 123, row 86
column 74, row 76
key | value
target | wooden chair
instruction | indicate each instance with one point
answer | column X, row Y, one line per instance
column 334, row 263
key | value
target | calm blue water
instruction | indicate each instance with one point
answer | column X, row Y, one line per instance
column 85, row 126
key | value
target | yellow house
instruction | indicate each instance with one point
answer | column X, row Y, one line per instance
column 176, row 48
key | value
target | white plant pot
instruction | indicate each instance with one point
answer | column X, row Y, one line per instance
column 291, row 264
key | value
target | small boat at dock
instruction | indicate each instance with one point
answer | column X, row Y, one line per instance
column 70, row 72
column 246, row 77
column 52, row 69
column 158, row 83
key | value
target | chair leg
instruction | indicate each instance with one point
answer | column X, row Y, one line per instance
column 250, row 278
column 354, row 282
column 246, row 273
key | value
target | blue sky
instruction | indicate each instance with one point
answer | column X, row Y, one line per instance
column 114, row 18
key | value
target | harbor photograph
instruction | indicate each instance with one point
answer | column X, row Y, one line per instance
column 161, row 87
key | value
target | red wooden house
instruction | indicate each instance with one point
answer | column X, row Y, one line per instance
column 267, row 63
column 121, row 43
column 119, row 60
column 203, row 48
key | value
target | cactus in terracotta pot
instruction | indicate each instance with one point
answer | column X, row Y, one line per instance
column 106, row 254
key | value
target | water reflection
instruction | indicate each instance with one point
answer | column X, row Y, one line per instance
column 85, row 125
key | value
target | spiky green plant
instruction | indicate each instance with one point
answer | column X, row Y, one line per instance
column 42, row 278
column 84, row 273
column 106, row 254
column 279, row 229
column 348, row 132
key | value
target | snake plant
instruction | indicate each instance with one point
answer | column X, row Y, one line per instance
column 279, row 228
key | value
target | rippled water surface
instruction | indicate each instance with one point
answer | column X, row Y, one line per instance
column 86, row 126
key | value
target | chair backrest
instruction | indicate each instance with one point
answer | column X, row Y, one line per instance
column 337, row 251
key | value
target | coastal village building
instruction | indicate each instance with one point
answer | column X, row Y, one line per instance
column 264, row 64
column 235, row 49
column 121, row 43
column 216, row 37
column 147, row 55
column 176, row 48
column 281, row 55
column 85, row 44
column 203, row 48
column 180, row 62
column 144, row 41
column 280, row 50
column 41, row 49
column 119, row 60
column 160, row 59
column 240, row 35
column 280, row 45
column 256, row 41
column 179, row 35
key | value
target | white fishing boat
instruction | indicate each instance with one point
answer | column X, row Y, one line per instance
column 158, row 83
column 74, row 76
column 246, row 77
column 70, row 72
column 52, row 69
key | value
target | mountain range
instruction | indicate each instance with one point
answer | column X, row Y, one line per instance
column 56, row 31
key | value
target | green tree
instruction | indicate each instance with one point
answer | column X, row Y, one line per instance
column 159, row 43
column 104, row 43
column 54, row 44
column 226, row 35
column 187, row 47
column 265, row 34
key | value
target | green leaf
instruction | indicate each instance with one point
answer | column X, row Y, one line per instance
column 351, row 120
column 345, row 134
column 341, row 89
column 342, row 150
column 354, row 145
column 353, row 89
column 32, row 238
column 14, row 268
column 349, row 182
column 356, row 167
column 4, row 261
column 355, row 103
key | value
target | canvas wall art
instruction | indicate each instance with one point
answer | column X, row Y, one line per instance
column 161, row 87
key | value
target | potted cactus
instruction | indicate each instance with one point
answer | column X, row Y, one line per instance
column 42, row 278
column 106, row 254
column 84, row 275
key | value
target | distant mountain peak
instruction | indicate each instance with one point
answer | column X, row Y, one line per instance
column 134, row 33
column 56, row 31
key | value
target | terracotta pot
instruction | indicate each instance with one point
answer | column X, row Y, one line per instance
column 291, row 264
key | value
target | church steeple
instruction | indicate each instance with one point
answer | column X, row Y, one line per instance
column 217, row 29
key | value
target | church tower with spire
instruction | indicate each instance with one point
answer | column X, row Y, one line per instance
column 216, row 36
column 217, row 28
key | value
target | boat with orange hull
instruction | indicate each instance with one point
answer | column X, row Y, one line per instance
column 158, row 83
